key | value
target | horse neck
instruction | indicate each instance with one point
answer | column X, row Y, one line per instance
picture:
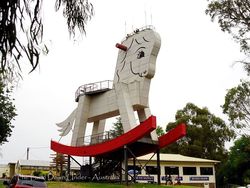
column 142, row 86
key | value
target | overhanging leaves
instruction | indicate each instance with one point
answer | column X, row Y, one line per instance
column 21, row 30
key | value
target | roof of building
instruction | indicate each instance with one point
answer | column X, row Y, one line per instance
column 40, row 163
column 176, row 158
column 3, row 166
column 33, row 163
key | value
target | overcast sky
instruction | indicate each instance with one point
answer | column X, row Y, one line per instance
column 194, row 65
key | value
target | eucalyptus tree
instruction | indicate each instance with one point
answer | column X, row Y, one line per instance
column 233, row 18
column 206, row 133
column 21, row 30
column 7, row 112
column 237, row 107
column 237, row 169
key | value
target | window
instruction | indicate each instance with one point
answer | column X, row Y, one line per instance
column 189, row 171
column 171, row 170
column 151, row 169
column 206, row 170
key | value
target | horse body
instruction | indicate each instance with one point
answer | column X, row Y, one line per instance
column 135, row 68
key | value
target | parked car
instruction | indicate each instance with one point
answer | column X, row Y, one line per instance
column 24, row 181
column 132, row 171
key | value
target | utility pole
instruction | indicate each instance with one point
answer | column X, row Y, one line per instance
column 28, row 150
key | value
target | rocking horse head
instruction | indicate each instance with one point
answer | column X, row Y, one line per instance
column 137, row 56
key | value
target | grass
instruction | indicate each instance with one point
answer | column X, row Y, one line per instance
column 54, row 184
column 106, row 185
column 1, row 184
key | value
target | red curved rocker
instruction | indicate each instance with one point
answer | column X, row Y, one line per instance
column 111, row 145
column 130, row 137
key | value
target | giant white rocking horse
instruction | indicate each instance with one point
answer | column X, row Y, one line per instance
column 134, row 70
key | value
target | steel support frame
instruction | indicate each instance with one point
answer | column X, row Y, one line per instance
column 126, row 150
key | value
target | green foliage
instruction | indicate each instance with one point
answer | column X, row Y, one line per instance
column 206, row 134
column 237, row 169
column 233, row 17
column 117, row 128
column 7, row 113
column 159, row 131
column 237, row 105
column 21, row 30
column 37, row 173
column 77, row 13
column 24, row 16
column 60, row 162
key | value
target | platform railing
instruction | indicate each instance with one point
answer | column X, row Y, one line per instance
column 95, row 87
column 98, row 138
column 139, row 29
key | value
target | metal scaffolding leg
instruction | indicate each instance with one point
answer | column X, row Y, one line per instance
column 90, row 168
column 120, row 172
column 158, row 167
column 134, row 170
column 101, row 165
column 126, row 164
column 68, row 167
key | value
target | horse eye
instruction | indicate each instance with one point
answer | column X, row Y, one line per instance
column 140, row 55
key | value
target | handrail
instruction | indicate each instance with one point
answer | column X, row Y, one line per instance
column 98, row 138
column 94, row 87
column 139, row 29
